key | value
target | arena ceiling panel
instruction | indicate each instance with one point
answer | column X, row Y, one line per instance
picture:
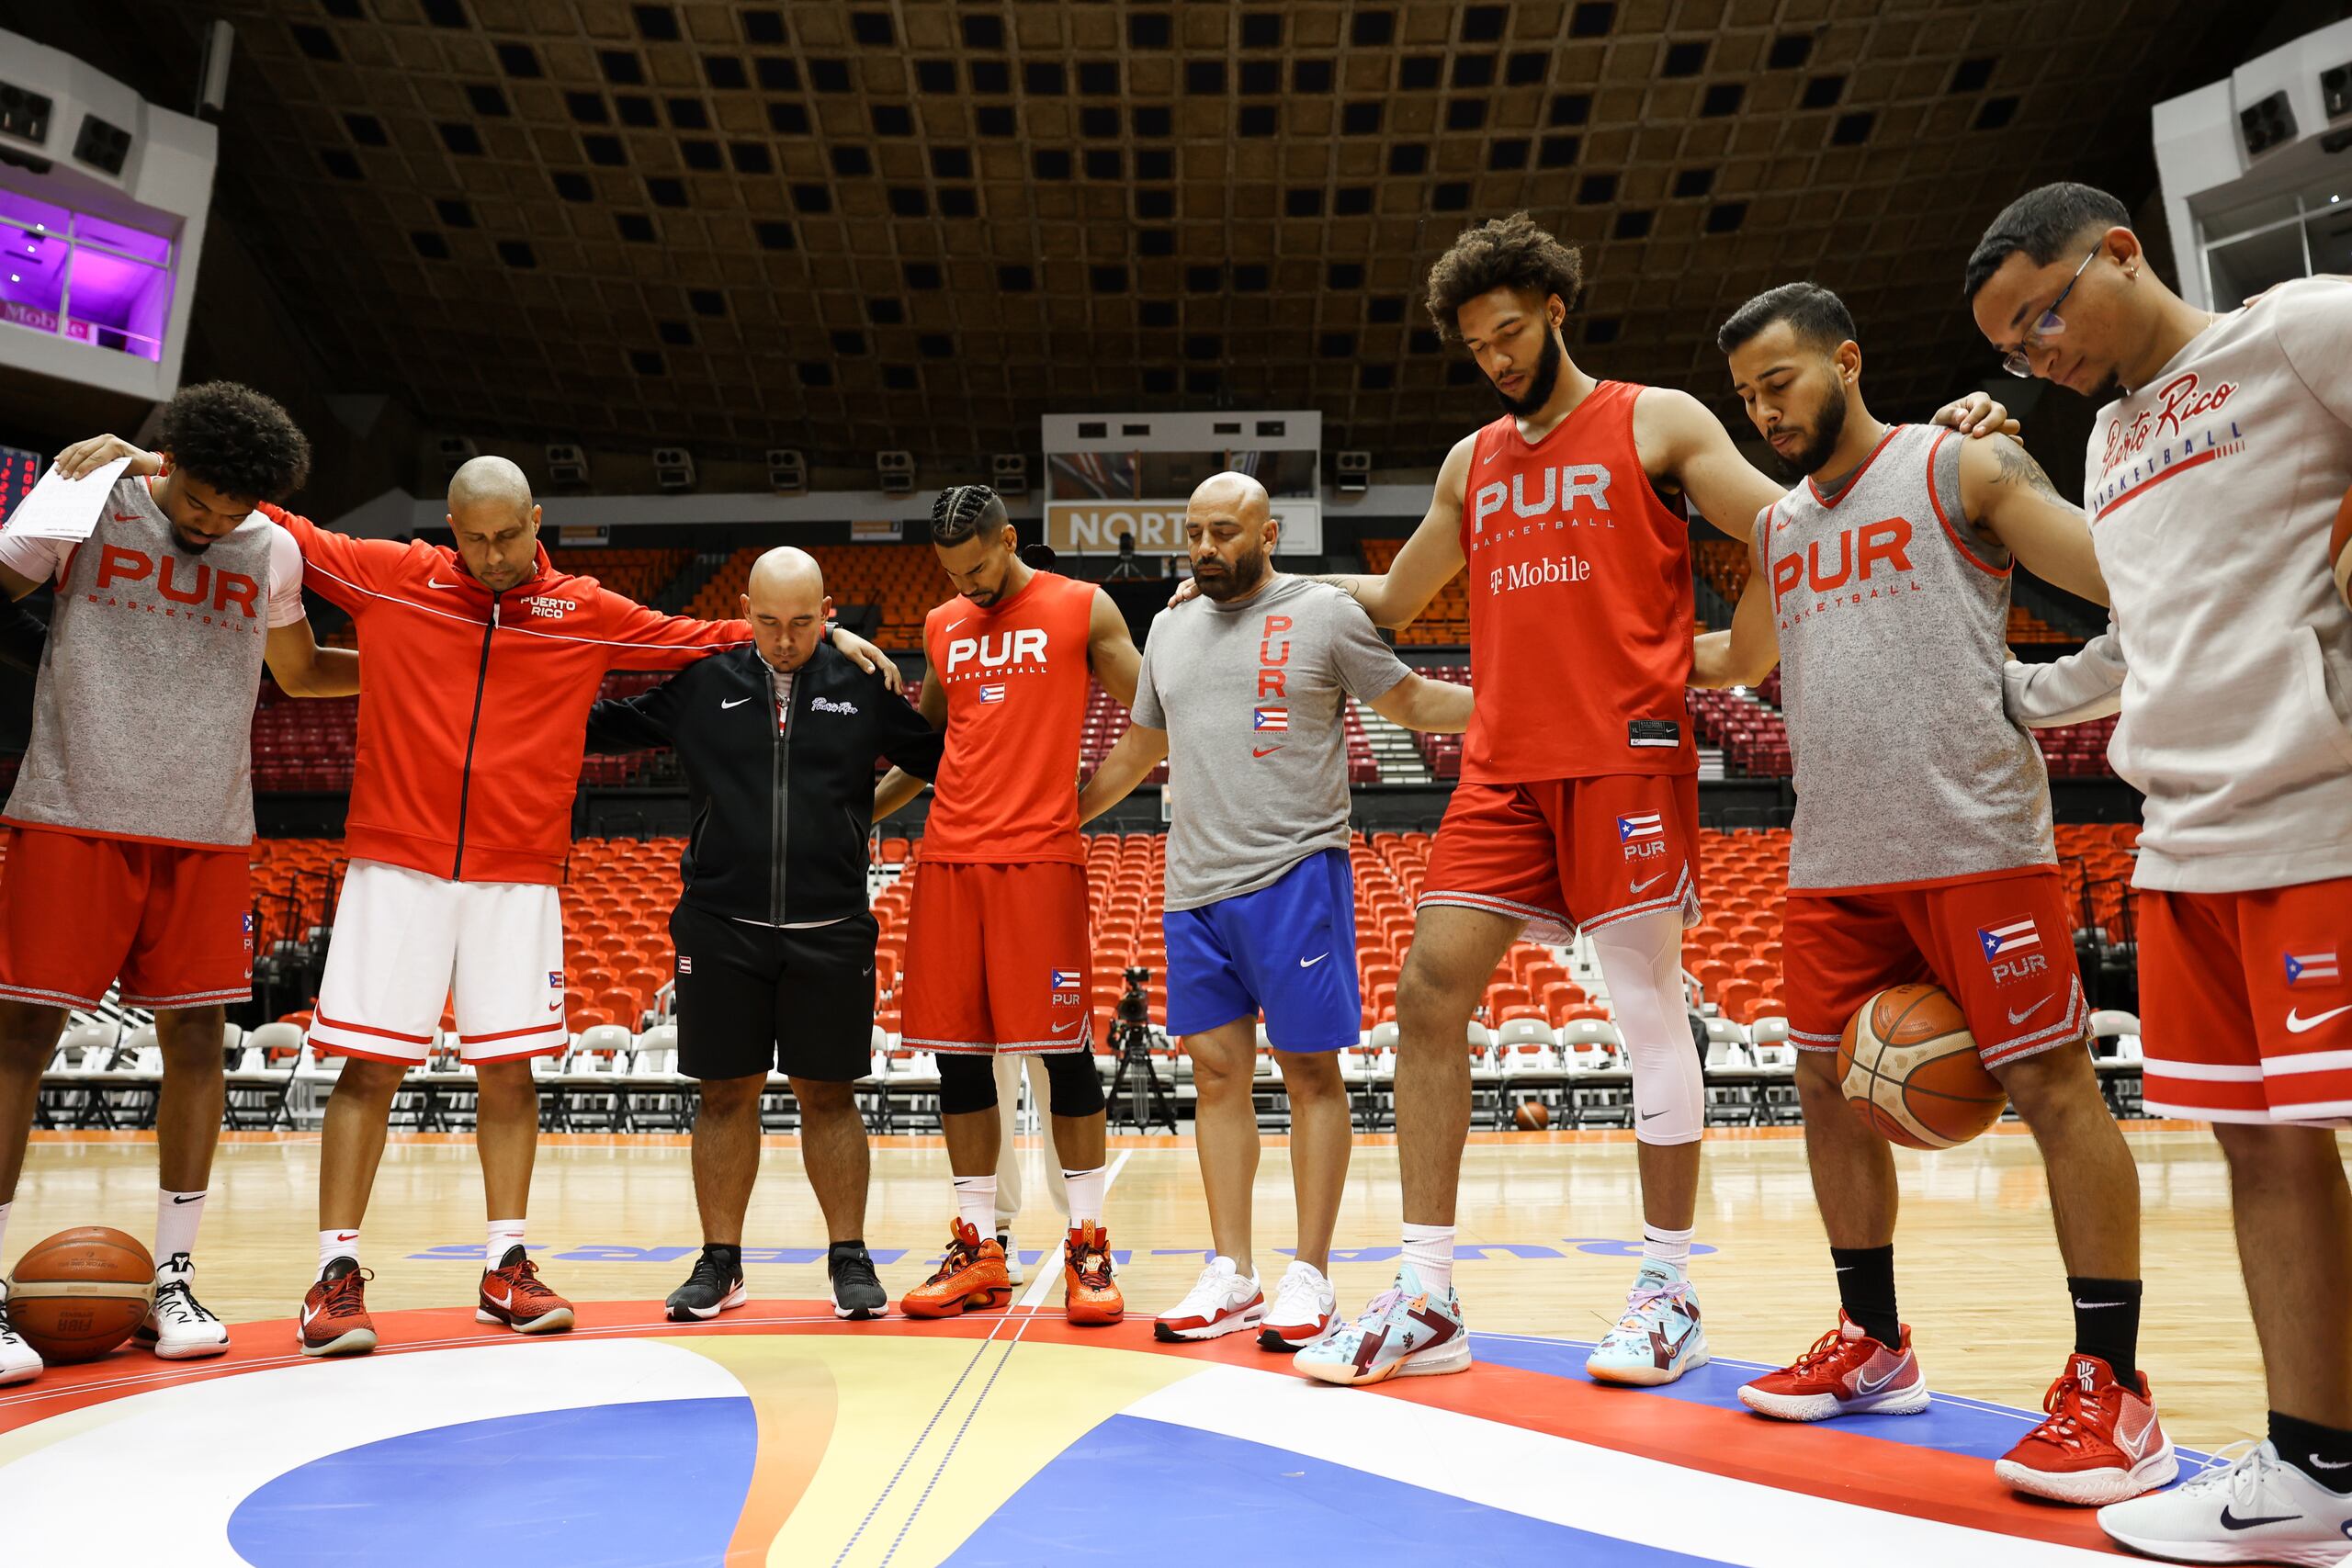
column 924, row 224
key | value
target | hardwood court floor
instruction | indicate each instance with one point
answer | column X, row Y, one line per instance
column 614, row 1219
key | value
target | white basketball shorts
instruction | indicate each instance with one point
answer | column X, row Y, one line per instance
column 405, row 944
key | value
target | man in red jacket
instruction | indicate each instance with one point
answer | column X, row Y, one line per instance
column 483, row 664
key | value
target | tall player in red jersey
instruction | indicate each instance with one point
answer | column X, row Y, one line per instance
column 1577, row 807
column 997, row 941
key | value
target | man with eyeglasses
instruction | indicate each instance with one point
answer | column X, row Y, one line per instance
column 2213, row 478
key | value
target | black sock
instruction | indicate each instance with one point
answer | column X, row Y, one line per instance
column 845, row 1247
column 727, row 1255
column 2107, row 1324
column 1866, row 1289
column 2324, row 1453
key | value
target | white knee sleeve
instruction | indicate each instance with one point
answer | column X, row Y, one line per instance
column 1642, row 961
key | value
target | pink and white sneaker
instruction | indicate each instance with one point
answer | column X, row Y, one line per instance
column 1304, row 1305
column 2100, row 1444
column 1222, row 1301
column 1847, row 1372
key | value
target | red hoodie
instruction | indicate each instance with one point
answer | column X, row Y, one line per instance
column 473, row 705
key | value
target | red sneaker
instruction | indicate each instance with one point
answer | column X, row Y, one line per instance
column 334, row 1320
column 1847, row 1372
column 512, row 1294
column 971, row 1276
column 2101, row 1443
column 1090, row 1297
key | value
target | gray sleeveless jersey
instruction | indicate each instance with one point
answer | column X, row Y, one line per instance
column 1893, row 614
column 143, row 715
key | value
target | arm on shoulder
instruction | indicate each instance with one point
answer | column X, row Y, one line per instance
column 1683, row 442
column 2005, row 491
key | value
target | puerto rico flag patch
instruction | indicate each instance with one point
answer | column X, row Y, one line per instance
column 992, row 694
column 554, row 979
column 686, row 964
column 1270, row 718
column 1064, row 980
column 2011, row 936
column 1646, row 825
column 2312, row 968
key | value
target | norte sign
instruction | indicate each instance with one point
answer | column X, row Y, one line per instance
column 1081, row 527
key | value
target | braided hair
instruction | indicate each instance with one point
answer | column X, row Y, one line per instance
column 961, row 512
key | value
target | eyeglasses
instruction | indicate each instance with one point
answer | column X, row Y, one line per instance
column 2046, row 325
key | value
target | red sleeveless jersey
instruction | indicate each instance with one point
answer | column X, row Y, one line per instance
column 1016, row 681
column 1580, row 604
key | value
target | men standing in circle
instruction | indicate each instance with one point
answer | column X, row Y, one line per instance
column 126, row 831
column 998, row 956
column 2211, row 479
column 1922, row 850
column 779, row 738
column 1247, row 687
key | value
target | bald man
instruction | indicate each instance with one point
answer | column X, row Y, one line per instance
column 775, row 946
column 1246, row 688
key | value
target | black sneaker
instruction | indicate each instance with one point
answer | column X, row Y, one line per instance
column 858, row 1290
column 716, row 1285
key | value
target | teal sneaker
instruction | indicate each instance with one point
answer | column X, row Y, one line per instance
column 1407, row 1332
column 1659, row 1339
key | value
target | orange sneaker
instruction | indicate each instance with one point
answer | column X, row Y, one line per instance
column 1090, row 1296
column 334, row 1320
column 971, row 1278
column 512, row 1294
column 2101, row 1444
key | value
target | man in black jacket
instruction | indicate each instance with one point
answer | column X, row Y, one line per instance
column 774, row 942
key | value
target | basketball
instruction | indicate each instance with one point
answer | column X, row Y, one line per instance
column 2339, row 549
column 1911, row 1072
column 80, row 1293
column 1532, row 1116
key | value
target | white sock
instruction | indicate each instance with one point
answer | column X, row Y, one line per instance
column 337, row 1244
column 1669, row 1247
column 3, row 1226
column 505, row 1235
column 975, row 1203
column 1429, row 1249
column 1085, row 1190
column 176, row 1216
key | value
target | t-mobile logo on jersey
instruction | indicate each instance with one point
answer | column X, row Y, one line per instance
column 1537, row 573
column 1562, row 487
column 1856, row 554
column 1026, row 646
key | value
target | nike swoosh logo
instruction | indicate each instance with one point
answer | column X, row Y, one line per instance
column 1065, row 1029
column 1652, row 1115
column 124, row 517
column 2093, row 1306
column 1862, row 1385
column 957, row 622
column 1311, row 963
column 436, row 583
column 1263, row 752
column 2324, row 1465
column 309, row 1315
column 1640, row 886
column 353, row 1236
column 504, row 1303
column 1489, row 459
column 2297, row 1024
column 199, row 1197
column 738, row 702
column 2021, row 1017
column 2231, row 1522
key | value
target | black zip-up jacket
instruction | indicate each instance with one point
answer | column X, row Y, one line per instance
column 780, row 817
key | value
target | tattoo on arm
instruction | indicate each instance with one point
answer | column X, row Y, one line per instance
column 2017, row 467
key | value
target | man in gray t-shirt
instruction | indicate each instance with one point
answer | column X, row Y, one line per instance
column 1246, row 688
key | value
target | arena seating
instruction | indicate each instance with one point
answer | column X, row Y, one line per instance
column 637, row 574
column 902, row 581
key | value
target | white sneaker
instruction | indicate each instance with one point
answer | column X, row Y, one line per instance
column 1659, row 1339
column 1012, row 1257
column 178, row 1327
column 2253, row 1508
column 19, row 1362
column 1222, row 1301
column 1304, row 1305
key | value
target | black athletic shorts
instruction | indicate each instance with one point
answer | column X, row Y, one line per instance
column 753, row 998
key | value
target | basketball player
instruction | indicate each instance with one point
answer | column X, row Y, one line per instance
column 1922, row 850
column 482, row 661
column 2214, row 474
column 126, row 832
column 775, row 943
column 1578, row 801
column 998, row 956
column 1247, row 686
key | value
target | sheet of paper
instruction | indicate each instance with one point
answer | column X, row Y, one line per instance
column 60, row 508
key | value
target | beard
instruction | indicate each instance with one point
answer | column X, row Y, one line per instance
column 1828, row 425
column 1539, row 383
column 1238, row 581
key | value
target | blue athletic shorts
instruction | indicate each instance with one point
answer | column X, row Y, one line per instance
column 1287, row 950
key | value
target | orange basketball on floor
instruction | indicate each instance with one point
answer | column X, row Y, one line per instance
column 1532, row 1116
column 2339, row 549
column 80, row 1293
column 1911, row 1071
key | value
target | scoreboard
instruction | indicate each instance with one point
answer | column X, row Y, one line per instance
column 18, row 471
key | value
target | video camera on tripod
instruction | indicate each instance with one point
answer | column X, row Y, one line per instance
column 1136, row 1079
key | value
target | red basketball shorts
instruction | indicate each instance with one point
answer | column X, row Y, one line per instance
column 2246, row 1013
column 997, row 959
column 2003, row 946
column 77, row 912
column 1569, row 853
